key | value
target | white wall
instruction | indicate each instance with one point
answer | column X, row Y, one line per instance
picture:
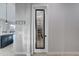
column 10, row 11
column 9, row 14
column 2, row 10
column 63, row 20
column 23, row 12
column 71, row 30
column 63, row 27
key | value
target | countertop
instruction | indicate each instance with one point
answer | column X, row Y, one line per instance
column 6, row 34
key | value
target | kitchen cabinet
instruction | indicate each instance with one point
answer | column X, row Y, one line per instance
column 5, row 40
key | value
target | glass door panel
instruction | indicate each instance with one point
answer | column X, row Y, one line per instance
column 40, row 28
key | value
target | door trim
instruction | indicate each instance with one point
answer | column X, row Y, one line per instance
column 33, row 30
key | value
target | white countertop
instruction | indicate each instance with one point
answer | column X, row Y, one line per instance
column 5, row 34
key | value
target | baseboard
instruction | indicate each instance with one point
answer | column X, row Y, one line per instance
column 51, row 53
column 20, row 54
column 63, row 53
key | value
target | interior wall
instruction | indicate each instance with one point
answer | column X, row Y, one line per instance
column 23, row 12
column 2, row 11
column 63, row 27
column 11, row 13
column 7, row 11
column 71, row 39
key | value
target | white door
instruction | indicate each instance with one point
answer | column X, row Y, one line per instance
column 39, row 29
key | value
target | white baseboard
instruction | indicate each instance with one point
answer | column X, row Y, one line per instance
column 20, row 53
column 54, row 53
column 63, row 53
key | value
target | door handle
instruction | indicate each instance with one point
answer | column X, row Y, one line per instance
column 45, row 36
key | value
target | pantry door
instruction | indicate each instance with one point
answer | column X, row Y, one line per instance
column 40, row 29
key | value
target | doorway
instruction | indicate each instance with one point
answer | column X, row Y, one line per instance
column 39, row 36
